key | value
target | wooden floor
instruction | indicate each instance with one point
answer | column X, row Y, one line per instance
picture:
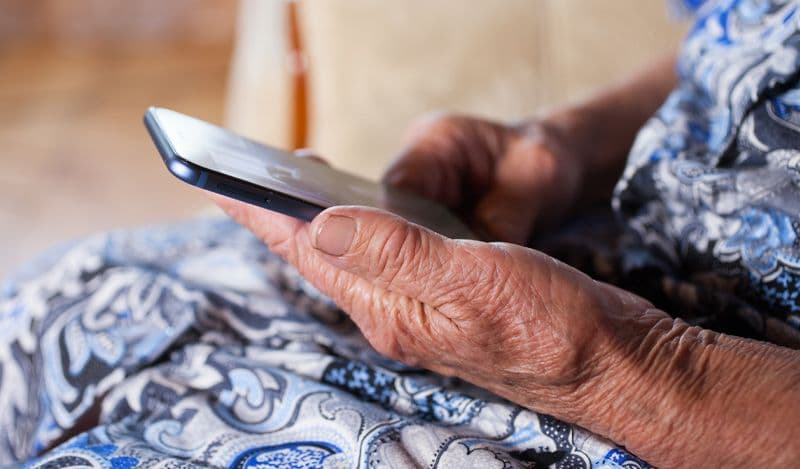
column 74, row 155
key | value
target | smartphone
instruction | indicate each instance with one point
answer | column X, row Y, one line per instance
column 215, row 159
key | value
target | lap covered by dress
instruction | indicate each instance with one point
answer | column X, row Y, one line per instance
column 192, row 345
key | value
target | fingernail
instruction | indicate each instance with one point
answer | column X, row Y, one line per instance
column 335, row 235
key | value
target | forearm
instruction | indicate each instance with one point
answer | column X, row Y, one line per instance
column 688, row 397
column 604, row 126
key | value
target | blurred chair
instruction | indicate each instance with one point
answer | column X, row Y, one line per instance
column 370, row 66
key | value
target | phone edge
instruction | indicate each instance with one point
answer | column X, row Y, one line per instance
column 222, row 184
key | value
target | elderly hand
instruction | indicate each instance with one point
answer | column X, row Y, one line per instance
column 504, row 317
column 542, row 334
column 512, row 181
column 504, row 180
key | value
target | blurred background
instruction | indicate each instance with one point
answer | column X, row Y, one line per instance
column 344, row 77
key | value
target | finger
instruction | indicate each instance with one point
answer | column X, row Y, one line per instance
column 419, row 171
column 288, row 238
column 309, row 154
column 394, row 254
column 389, row 320
column 509, row 208
column 271, row 227
column 443, row 155
column 429, row 163
column 526, row 181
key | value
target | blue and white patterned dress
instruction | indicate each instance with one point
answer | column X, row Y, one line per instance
column 711, row 186
column 192, row 346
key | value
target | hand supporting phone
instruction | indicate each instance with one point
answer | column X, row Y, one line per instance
column 212, row 158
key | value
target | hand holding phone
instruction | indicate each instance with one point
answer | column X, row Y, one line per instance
column 215, row 159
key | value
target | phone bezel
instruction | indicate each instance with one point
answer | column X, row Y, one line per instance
column 223, row 184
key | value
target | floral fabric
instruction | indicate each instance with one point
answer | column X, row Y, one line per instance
column 710, row 191
column 193, row 346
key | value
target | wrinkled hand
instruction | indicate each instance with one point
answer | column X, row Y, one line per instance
column 506, row 181
column 539, row 333
column 504, row 317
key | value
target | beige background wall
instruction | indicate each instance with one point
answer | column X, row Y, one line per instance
column 375, row 65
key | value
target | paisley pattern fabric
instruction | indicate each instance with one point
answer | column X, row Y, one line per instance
column 710, row 191
column 192, row 346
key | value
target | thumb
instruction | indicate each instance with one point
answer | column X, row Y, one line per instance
column 390, row 252
column 526, row 186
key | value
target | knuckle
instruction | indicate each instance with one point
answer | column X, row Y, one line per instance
column 539, row 146
column 481, row 283
column 437, row 128
column 536, row 145
column 435, row 120
column 401, row 248
column 542, row 160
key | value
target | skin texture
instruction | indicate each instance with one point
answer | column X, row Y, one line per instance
column 499, row 178
column 524, row 325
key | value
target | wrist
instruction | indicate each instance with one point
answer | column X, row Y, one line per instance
column 652, row 391
column 601, row 130
column 681, row 396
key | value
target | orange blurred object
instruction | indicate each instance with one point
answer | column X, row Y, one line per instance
column 298, row 64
